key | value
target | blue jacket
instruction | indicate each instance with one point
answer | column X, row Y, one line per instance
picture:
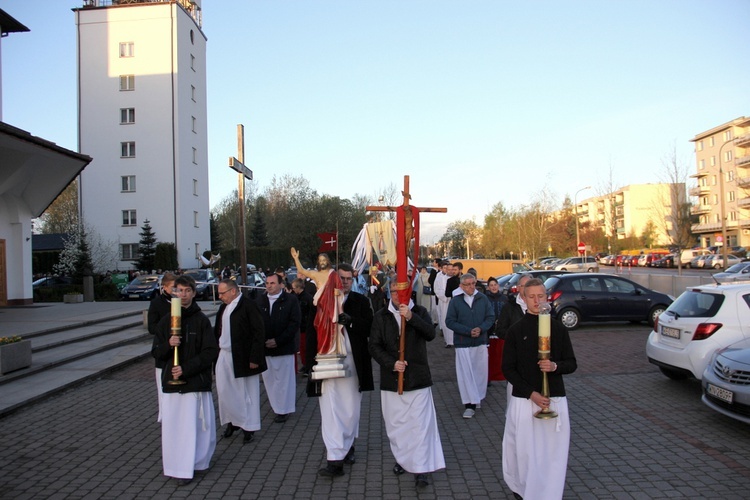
column 462, row 319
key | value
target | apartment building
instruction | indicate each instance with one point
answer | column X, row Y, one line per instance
column 142, row 117
column 722, row 156
column 631, row 209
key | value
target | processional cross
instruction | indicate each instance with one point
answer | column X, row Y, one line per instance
column 407, row 228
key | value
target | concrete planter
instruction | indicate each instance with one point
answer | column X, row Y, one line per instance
column 15, row 356
column 73, row 298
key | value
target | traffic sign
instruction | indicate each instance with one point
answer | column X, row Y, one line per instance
column 582, row 248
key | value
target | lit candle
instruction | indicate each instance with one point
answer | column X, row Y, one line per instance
column 176, row 307
column 544, row 333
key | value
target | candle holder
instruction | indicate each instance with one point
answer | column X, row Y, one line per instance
column 176, row 324
column 544, row 352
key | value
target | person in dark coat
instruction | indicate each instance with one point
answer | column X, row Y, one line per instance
column 513, row 311
column 241, row 337
column 307, row 313
column 341, row 398
column 281, row 317
column 188, row 426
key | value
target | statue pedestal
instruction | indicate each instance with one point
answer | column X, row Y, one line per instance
column 329, row 366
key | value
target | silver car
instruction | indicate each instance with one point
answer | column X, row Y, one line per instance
column 578, row 264
column 738, row 272
column 726, row 381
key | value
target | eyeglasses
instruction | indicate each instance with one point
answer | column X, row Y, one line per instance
column 220, row 293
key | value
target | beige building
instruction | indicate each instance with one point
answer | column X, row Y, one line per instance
column 722, row 157
column 630, row 210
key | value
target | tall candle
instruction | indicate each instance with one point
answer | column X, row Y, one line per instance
column 544, row 336
column 176, row 307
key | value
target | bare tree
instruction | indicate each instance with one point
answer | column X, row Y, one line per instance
column 606, row 191
column 62, row 214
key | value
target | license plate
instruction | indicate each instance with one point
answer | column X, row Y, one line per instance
column 670, row 332
column 133, row 296
column 719, row 393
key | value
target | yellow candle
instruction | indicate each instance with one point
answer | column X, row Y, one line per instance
column 176, row 307
column 544, row 335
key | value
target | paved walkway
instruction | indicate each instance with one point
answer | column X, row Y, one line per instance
column 635, row 434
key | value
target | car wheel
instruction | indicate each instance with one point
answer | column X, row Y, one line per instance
column 563, row 269
column 590, row 270
column 654, row 314
column 570, row 318
column 717, row 266
column 673, row 374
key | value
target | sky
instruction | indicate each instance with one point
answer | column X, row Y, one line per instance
column 479, row 101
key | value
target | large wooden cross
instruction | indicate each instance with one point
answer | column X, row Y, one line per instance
column 407, row 227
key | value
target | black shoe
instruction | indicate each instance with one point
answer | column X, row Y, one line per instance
column 398, row 470
column 248, row 436
column 183, row 482
column 422, row 480
column 517, row 496
column 349, row 458
column 333, row 469
column 280, row 419
column 230, row 430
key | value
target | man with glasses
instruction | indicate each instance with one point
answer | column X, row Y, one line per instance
column 281, row 318
column 341, row 398
column 241, row 337
column 470, row 316
column 188, row 425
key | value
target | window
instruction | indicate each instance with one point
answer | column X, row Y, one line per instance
column 727, row 135
column 730, row 196
column 195, row 187
column 711, row 141
column 127, row 49
column 704, row 200
column 195, row 219
column 728, row 155
column 127, row 149
column 713, row 161
column 713, row 180
column 700, row 146
column 703, row 219
column 717, row 218
column 192, row 37
column 128, row 183
column 195, row 156
column 716, row 199
column 192, row 62
column 197, row 254
column 702, row 164
column 129, row 251
column 733, row 217
column 192, row 92
column 127, row 115
column 127, row 82
column 128, row 218
column 194, row 124
column 730, row 176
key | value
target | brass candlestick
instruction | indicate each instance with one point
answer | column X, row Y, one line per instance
column 176, row 323
column 544, row 352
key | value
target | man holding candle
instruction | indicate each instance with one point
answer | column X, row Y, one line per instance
column 535, row 450
column 470, row 316
column 188, row 427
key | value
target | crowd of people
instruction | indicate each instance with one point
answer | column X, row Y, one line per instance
column 296, row 328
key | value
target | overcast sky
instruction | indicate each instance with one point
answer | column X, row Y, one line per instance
column 479, row 102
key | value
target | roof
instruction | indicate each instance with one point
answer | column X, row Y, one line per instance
column 9, row 25
column 47, row 242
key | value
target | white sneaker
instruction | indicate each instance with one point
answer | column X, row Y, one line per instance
column 468, row 413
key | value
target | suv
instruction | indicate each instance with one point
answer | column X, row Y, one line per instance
column 703, row 319
column 205, row 281
column 587, row 264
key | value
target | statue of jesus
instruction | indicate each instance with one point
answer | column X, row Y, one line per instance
column 328, row 300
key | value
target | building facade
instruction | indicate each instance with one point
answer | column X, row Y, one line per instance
column 722, row 156
column 143, row 119
column 631, row 210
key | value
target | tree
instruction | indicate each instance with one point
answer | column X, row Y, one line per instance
column 100, row 255
column 259, row 234
column 62, row 214
column 165, row 256
column 146, row 248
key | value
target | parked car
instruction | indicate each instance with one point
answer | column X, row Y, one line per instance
column 550, row 263
column 607, row 260
column 700, row 261
column 581, row 297
column 738, row 272
column 687, row 256
column 52, row 281
column 666, row 261
column 647, row 260
column 619, row 259
column 717, row 261
column 510, row 287
column 205, row 281
column 144, row 287
column 703, row 319
column 740, row 252
column 631, row 260
column 587, row 264
column 725, row 381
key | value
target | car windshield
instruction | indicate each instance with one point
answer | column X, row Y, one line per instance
column 197, row 275
column 736, row 268
column 145, row 280
column 696, row 304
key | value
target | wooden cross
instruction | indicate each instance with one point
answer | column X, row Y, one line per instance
column 407, row 227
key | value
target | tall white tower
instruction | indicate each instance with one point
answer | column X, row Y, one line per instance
column 142, row 117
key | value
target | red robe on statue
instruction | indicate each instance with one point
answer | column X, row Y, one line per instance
column 327, row 314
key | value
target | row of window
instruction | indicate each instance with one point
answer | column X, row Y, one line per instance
column 128, row 184
column 705, row 199
column 127, row 49
column 705, row 219
column 129, row 251
column 127, row 117
column 127, row 83
column 704, row 180
column 726, row 136
column 728, row 156
column 127, row 150
column 129, row 218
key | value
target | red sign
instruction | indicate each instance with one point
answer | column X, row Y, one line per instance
column 582, row 248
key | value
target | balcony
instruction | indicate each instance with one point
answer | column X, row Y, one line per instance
column 743, row 202
column 742, row 141
column 700, row 174
column 743, row 162
column 700, row 209
column 743, row 182
column 704, row 190
column 706, row 228
column 620, row 230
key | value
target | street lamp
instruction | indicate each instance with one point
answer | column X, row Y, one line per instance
column 575, row 207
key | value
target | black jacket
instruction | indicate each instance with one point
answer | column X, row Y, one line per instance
column 510, row 314
column 450, row 285
column 282, row 323
column 248, row 337
column 160, row 306
column 521, row 354
column 196, row 354
column 384, row 343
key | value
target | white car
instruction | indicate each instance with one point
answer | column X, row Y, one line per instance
column 703, row 319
